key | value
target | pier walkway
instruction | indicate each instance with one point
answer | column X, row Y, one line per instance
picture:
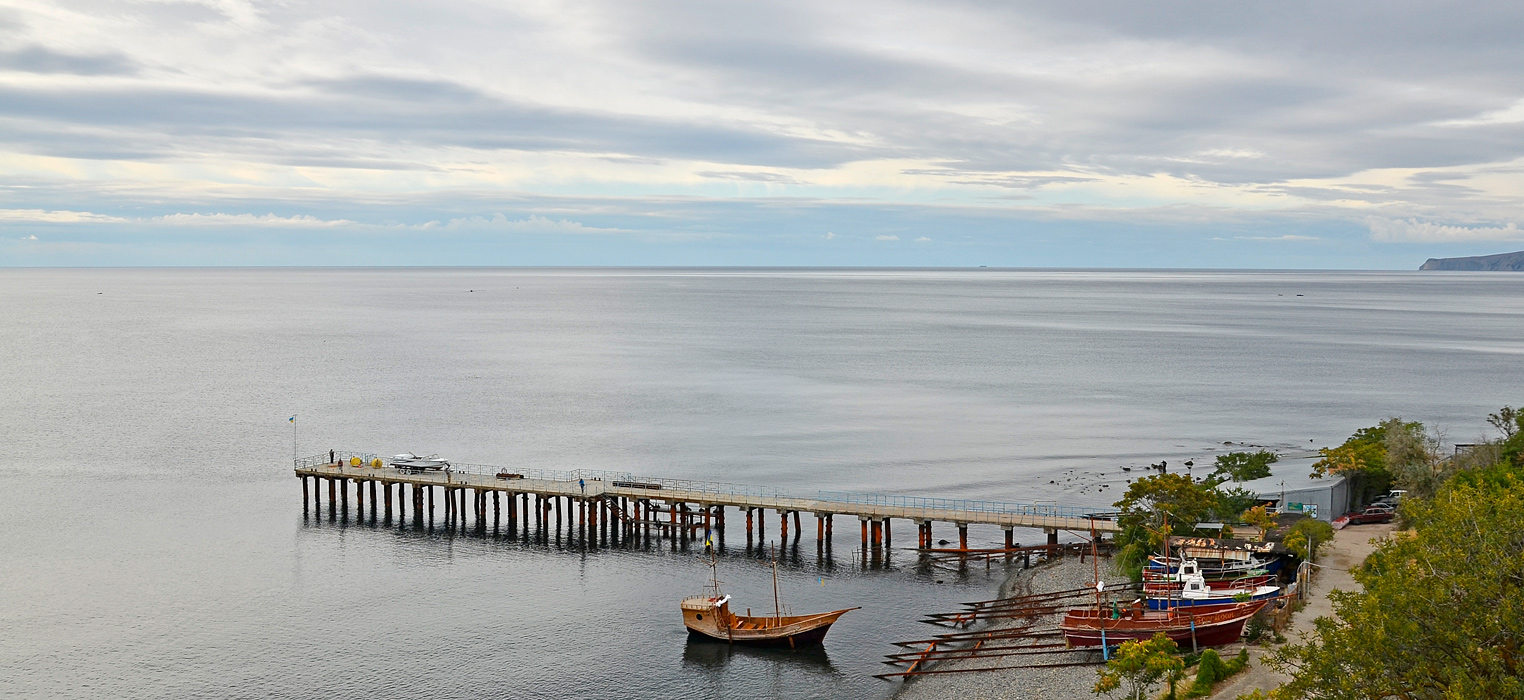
column 625, row 504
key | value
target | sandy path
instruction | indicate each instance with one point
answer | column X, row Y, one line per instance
column 1348, row 548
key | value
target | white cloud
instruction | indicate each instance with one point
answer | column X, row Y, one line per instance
column 829, row 235
column 534, row 224
column 1415, row 231
column 923, row 239
column 43, row 216
column 29, row 238
column 886, row 238
column 268, row 220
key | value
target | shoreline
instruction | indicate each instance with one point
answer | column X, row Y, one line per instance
column 1034, row 683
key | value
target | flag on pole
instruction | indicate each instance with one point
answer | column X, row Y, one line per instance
column 292, row 419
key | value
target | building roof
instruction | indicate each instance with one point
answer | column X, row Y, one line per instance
column 1296, row 475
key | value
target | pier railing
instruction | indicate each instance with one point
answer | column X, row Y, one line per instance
column 889, row 501
column 608, row 478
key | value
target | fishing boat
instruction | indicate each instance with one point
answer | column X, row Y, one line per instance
column 1159, row 581
column 1194, row 593
column 1219, row 570
column 707, row 616
column 1199, row 628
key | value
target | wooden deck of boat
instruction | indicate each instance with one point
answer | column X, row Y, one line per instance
column 646, row 499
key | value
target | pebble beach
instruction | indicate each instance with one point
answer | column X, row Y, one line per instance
column 1022, row 683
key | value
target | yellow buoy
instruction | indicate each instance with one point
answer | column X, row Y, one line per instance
column 354, row 461
column 376, row 463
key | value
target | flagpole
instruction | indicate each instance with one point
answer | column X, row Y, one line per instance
column 293, row 440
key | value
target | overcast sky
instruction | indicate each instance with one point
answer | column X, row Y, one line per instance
column 1213, row 134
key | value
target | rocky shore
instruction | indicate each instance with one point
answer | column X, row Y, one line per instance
column 1027, row 683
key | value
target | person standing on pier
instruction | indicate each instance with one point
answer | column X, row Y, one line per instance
column 582, row 485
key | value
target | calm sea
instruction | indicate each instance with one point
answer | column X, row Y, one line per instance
column 155, row 544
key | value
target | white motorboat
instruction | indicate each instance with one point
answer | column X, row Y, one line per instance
column 412, row 462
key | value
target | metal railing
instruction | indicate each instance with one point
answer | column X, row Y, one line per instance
column 1000, row 507
column 607, row 478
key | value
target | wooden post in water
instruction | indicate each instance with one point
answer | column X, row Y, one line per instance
column 333, row 498
column 782, row 527
column 497, row 512
column 819, row 531
column 828, row 517
column 886, row 533
column 963, row 535
column 748, row 525
column 798, row 529
column 864, row 520
column 305, row 497
column 876, row 528
column 386, row 495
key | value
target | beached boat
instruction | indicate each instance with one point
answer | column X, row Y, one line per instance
column 1217, row 570
column 707, row 616
column 1160, row 580
column 1197, row 628
column 1194, row 593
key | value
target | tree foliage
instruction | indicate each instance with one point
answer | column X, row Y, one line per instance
column 1261, row 518
column 1362, row 458
column 1243, row 466
column 1307, row 536
column 1442, row 610
column 1139, row 665
column 1149, row 499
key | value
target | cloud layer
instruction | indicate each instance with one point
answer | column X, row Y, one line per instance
column 1402, row 122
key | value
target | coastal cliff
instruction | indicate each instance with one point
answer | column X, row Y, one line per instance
column 1504, row 261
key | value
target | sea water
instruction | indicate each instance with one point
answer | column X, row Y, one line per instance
column 156, row 546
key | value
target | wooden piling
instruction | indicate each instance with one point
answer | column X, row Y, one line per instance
column 305, row 497
column 333, row 498
column 864, row 521
column 963, row 535
column 887, row 544
column 798, row 530
column 783, row 527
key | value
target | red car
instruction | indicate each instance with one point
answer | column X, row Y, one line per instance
column 1371, row 514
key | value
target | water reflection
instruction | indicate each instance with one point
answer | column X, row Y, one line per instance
column 708, row 654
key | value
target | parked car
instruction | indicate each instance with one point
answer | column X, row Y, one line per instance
column 1383, row 505
column 1370, row 514
column 1393, row 497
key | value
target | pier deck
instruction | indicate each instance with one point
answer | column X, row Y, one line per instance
column 637, row 501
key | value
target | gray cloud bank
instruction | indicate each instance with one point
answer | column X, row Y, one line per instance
column 1275, row 100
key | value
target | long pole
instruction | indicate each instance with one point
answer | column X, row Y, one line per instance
column 777, row 609
column 293, row 440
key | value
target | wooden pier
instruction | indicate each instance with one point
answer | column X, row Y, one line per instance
column 617, row 506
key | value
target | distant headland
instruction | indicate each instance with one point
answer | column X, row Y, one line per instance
column 1502, row 261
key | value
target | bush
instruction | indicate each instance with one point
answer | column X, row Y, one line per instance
column 1307, row 536
column 1212, row 670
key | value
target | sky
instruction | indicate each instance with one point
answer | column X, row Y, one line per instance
column 951, row 133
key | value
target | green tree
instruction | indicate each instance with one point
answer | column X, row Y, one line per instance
column 1441, row 613
column 1507, row 420
column 1306, row 536
column 1139, row 665
column 1243, row 466
column 1362, row 458
column 1413, row 457
column 1260, row 517
column 1149, row 499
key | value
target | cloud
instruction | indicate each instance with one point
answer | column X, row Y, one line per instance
column 886, row 238
column 268, row 220
column 829, row 235
column 43, row 216
column 923, row 239
column 37, row 59
column 1415, row 231
column 534, row 224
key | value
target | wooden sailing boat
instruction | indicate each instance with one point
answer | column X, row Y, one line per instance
column 708, row 616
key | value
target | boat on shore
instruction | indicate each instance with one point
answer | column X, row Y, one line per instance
column 1199, row 628
column 708, row 617
column 1194, row 593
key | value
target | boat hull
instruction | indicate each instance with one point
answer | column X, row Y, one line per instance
column 1087, row 628
column 797, row 640
column 1261, row 594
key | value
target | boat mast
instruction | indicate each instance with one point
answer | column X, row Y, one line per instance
column 777, row 609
